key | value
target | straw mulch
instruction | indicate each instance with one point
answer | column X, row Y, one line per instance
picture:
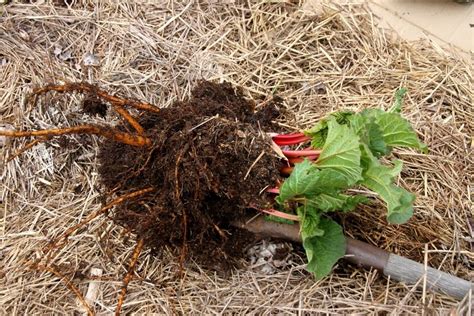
column 318, row 58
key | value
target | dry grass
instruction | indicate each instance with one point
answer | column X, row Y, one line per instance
column 319, row 60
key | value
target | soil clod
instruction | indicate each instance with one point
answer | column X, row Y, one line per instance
column 94, row 106
column 199, row 161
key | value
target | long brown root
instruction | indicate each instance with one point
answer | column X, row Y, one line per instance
column 63, row 237
column 118, row 105
column 109, row 133
column 84, row 87
column 130, row 119
column 69, row 284
column 26, row 147
column 128, row 276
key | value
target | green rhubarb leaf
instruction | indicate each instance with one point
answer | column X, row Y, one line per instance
column 272, row 218
column 319, row 132
column 324, row 251
column 399, row 98
column 380, row 178
column 376, row 142
column 328, row 181
column 309, row 221
column 382, row 130
column 342, row 117
column 306, row 181
column 396, row 130
column 301, row 181
column 370, row 134
column 341, row 153
column 331, row 202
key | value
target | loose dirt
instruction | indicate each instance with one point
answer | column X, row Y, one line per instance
column 94, row 106
column 210, row 161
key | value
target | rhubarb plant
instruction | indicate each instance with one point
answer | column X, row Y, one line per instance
column 344, row 154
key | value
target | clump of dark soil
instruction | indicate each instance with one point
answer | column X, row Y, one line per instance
column 94, row 106
column 210, row 160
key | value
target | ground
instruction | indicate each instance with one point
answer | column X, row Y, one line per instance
column 317, row 61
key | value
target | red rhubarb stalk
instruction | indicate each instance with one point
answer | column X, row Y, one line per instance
column 295, row 160
column 273, row 190
column 290, row 139
column 271, row 211
column 284, row 215
column 301, row 153
column 286, row 171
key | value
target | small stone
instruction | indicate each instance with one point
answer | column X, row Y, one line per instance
column 241, row 134
column 91, row 60
column 24, row 35
column 63, row 55
column 57, row 50
column 3, row 139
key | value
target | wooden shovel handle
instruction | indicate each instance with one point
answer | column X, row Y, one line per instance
column 360, row 253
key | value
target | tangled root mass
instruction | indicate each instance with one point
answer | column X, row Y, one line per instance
column 209, row 161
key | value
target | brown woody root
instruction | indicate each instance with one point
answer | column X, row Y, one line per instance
column 84, row 87
column 58, row 242
column 126, row 138
column 128, row 276
column 69, row 284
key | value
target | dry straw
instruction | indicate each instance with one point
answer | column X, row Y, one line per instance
column 319, row 59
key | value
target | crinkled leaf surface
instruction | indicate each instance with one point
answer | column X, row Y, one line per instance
column 324, row 251
column 341, row 153
column 329, row 181
column 302, row 181
column 331, row 202
column 319, row 132
column 309, row 221
column 369, row 133
column 379, row 178
column 396, row 130
column 306, row 181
